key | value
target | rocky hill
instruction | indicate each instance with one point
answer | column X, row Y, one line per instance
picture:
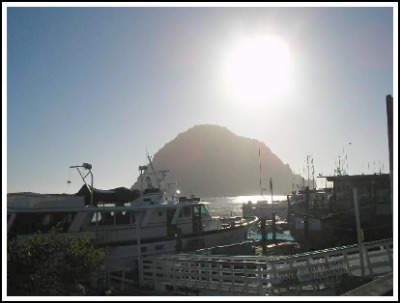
column 211, row 161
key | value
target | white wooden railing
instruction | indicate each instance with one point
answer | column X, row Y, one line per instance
column 260, row 275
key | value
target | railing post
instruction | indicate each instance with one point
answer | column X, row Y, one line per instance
column 390, row 256
column 123, row 280
column 360, row 245
column 370, row 268
column 140, row 270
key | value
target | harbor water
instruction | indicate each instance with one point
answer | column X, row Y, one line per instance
column 232, row 206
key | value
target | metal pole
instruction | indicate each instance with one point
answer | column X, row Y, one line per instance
column 306, row 218
column 389, row 113
column 263, row 236
column 360, row 245
column 271, row 189
column 139, row 250
column 91, row 189
column 273, row 228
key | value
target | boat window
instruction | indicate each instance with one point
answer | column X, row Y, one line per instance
column 204, row 210
column 185, row 212
column 96, row 218
column 107, row 218
column 159, row 246
column 122, row 218
column 31, row 223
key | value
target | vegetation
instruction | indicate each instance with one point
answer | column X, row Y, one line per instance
column 52, row 265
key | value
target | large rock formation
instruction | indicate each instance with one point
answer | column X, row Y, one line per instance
column 211, row 161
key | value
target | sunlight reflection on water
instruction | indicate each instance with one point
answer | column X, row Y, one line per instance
column 232, row 206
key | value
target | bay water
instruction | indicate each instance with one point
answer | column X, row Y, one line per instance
column 232, row 206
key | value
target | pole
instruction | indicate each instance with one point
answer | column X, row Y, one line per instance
column 139, row 249
column 306, row 218
column 308, row 173
column 271, row 188
column 91, row 191
column 263, row 237
column 389, row 113
column 154, row 172
column 359, row 239
column 273, row 229
column 259, row 159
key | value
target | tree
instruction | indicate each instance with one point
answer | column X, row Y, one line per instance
column 52, row 265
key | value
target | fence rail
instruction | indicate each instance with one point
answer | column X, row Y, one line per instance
column 260, row 275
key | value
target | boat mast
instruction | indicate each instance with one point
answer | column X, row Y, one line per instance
column 271, row 189
column 154, row 172
column 313, row 173
column 141, row 169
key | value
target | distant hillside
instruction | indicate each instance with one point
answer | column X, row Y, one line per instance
column 211, row 161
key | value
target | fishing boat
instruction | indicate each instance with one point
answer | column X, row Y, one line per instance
column 327, row 218
column 130, row 227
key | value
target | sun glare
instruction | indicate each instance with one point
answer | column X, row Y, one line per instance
column 257, row 69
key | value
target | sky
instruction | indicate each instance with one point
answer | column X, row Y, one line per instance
column 105, row 85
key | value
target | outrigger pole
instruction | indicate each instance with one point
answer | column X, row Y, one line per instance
column 89, row 168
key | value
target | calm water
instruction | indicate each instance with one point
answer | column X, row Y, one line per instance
column 232, row 206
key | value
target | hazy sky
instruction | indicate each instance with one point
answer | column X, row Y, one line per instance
column 103, row 85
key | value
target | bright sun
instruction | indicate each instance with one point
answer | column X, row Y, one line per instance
column 257, row 69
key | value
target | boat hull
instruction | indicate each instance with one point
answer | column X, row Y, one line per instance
column 129, row 253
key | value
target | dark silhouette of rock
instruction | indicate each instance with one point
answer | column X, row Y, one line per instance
column 211, row 161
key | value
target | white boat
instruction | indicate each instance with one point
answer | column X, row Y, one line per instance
column 150, row 224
